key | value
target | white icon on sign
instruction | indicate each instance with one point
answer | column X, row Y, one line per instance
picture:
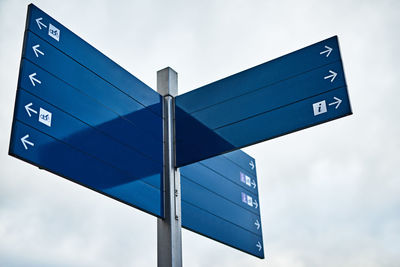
column 54, row 32
column 319, row 107
column 248, row 180
column 249, row 201
column 45, row 117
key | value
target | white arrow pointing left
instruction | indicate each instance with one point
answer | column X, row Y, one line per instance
column 259, row 246
column 25, row 142
column 36, row 50
column 40, row 23
column 333, row 75
column 29, row 109
column 337, row 102
column 33, row 79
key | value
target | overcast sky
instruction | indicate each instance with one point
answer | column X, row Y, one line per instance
column 330, row 195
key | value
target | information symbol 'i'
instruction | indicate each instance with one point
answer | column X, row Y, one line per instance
column 319, row 108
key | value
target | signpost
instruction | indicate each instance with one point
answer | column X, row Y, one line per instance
column 220, row 200
column 81, row 116
column 169, row 236
column 290, row 93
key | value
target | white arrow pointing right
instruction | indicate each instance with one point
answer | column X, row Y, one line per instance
column 40, row 23
column 337, row 102
column 36, row 50
column 25, row 141
column 257, row 223
column 251, row 163
column 259, row 246
column 327, row 51
column 33, row 79
column 29, row 109
column 333, row 75
column 253, row 183
column 255, row 203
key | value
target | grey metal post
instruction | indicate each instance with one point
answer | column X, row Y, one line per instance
column 169, row 237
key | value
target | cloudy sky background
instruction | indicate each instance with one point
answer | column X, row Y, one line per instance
column 330, row 195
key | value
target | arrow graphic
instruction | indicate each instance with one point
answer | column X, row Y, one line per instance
column 33, row 79
column 36, row 50
column 337, row 102
column 327, row 51
column 40, row 23
column 25, row 141
column 253, row 183
column 29, row 109
column 257, row 223
column 251, row 163
column 259, row 246
column 255, row 203
column 333, row 75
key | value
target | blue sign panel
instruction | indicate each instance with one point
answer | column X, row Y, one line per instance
column 220, row 201
column 290, row 93
column 81, row 116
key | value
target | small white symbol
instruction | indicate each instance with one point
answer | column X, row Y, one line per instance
column 257, row 223
column 319, row 108
column 54, row 32
column 259, row 246
column 333, row 75
column 251, row 163
column 244, row 198
column 40, row 23
column 36, row 50
column 253, row 183
column 33, row 79
column 337, row 102
column 45, row 117
column 25, row 141
column 249, row 201
column 29, row 109
column 248, row 180
column 255, row 203
column 327, row 52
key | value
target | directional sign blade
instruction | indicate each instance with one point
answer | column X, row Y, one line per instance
column 219, row 201
column 81, row 116
column 72, row 45
column 261, row 103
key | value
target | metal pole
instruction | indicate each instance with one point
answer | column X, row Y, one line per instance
column 169, row 237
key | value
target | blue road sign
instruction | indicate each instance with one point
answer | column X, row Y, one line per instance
column 220, row 201
column 81, row 116
column 290, row 93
